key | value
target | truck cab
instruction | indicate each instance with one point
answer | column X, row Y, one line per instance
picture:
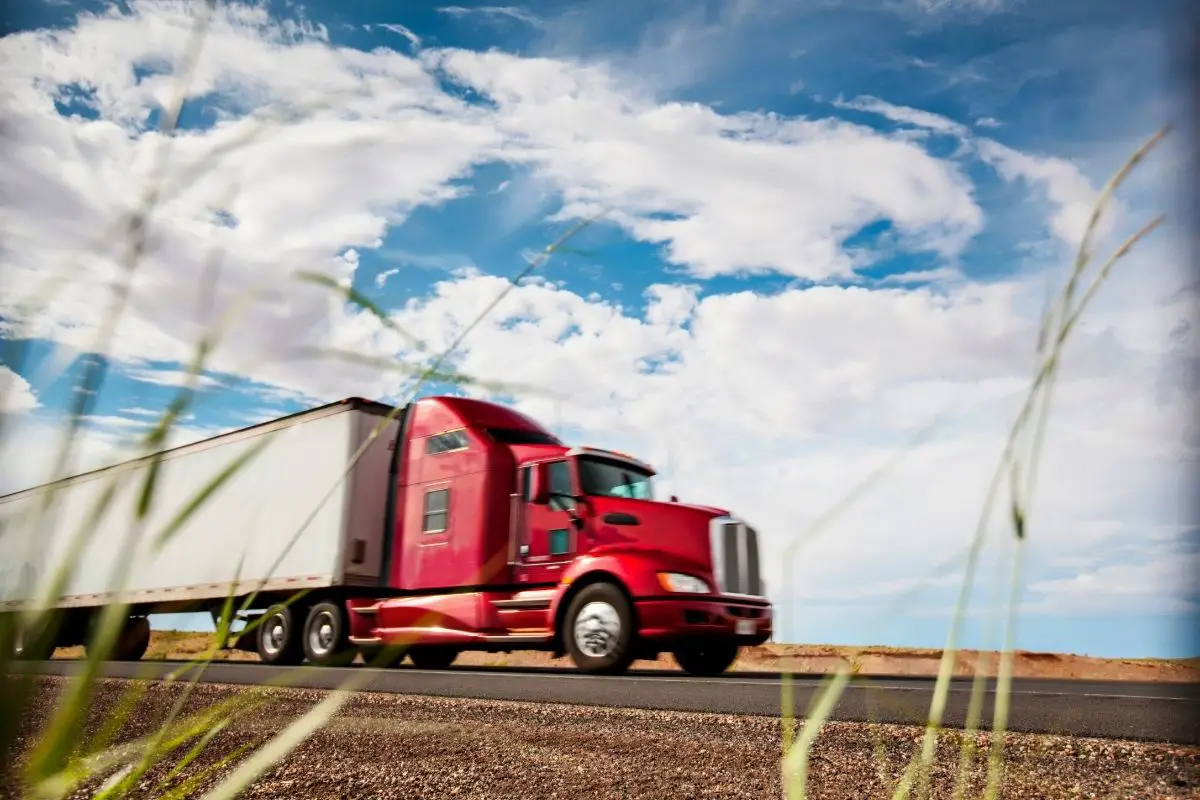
column 506, row 538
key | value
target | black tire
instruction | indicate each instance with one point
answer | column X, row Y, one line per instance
column 35, row 643
column 381, row 656
column 432, row 656
column 326, row 636
column 706, row 658
column 278, row 637
column 602, row 617
column 133, row 640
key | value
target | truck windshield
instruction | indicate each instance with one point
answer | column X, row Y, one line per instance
column 614, row 479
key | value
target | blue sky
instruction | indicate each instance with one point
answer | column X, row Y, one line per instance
column 827, row 221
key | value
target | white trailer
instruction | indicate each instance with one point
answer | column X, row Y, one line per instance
column 295, row 516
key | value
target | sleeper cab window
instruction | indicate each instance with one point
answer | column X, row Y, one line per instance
column 437, row 511
column 448, row 442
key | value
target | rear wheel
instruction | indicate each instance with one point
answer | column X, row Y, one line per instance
column 706, row 658
column 326, row 639
column 133, row 641
column 599, row 630
column 34, row 642
column 278, row 638
column 432, row 657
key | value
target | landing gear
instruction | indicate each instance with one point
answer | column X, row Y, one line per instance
column 705, row 658
column 326, row 641
column 599, row 631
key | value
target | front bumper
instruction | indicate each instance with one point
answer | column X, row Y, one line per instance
column 663, row 619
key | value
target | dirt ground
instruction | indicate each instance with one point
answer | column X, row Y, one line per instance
column 799, row 659
column 383, row 746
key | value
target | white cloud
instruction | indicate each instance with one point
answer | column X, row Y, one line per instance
column 1065, row 186
column 905, row 115
column 31, row 447
column 302, row 191
column 1163, row 586
column 16, row 395
column 769, row 194
column 774, row 406
column 509, row 12
column 174, row 378
column 382, row 278
column 139, row 411
column 987, row 122
column 397, row 28
column 986, row 6
column 723, row 193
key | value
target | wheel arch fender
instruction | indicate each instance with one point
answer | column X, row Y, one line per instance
column 628, row 572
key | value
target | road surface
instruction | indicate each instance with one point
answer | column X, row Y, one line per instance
column 1125, row 710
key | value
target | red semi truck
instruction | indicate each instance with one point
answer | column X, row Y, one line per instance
column 464, row 525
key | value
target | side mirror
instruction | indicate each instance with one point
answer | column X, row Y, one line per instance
column 539, row 485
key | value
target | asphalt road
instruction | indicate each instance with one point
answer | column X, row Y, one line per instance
column 1126, row 710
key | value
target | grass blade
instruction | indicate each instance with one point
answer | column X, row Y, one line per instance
column 795, row 763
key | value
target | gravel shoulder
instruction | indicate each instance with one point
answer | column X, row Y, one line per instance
column 395, row 746
column 801, row 659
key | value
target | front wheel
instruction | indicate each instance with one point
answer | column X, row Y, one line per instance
column 706, row 658
column 599, row 630
column 432, row 657
column 382, row 656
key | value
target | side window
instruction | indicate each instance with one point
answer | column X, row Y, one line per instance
column 526, row 486
column 437, row 511
column 560, row 484
column 560, row 542
column 446, row 442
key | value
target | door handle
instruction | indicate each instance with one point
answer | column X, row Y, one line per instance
column 523, row 549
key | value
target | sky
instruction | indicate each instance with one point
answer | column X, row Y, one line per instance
column 820, row 227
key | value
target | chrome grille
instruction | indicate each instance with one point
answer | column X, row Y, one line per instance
column 734, row 548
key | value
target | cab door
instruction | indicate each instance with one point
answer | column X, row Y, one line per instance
column 548, row 537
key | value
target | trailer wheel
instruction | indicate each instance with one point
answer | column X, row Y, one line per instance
column 599, row 630
column 278, row 639
column 32, row 643
column 706, row 658
column 133, row 641
column 326, row 636
column 432, row 656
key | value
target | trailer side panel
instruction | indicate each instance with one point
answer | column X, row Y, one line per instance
column 277, row 523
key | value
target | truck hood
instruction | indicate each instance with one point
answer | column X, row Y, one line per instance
column 670, row 528
column 712, row 511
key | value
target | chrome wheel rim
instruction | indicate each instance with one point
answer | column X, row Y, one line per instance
column 274, row 632
column 597, row 629
column 321, row 633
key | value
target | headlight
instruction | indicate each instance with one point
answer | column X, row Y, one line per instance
column 678, row 582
